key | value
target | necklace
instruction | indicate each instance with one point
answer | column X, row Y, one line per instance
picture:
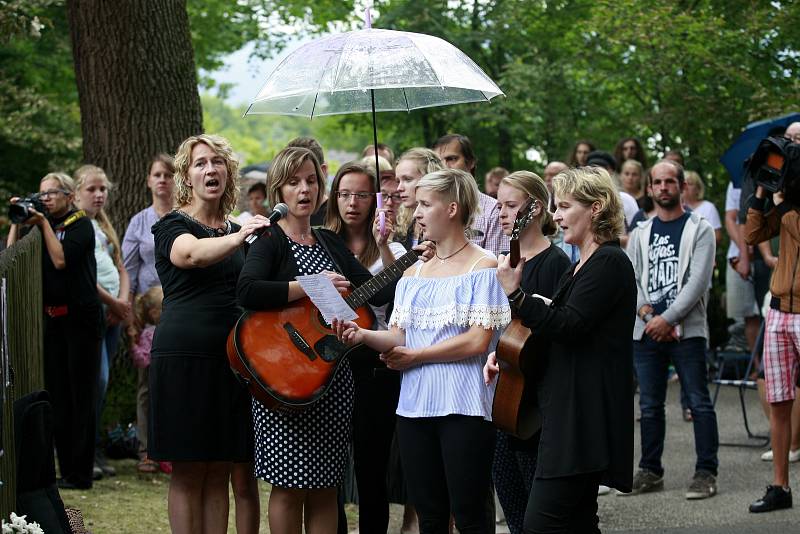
column 210, row 230
column 442, row 260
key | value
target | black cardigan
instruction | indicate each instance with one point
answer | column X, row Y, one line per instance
column 270, row 266
column 586, row 388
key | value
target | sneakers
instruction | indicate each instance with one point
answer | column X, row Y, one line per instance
column 645, row 481
column 603, row 490
column 794, row 456
column 703, row 486
column 776, row 498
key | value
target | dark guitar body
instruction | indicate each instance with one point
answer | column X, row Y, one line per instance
column 516, row 409
column 288, row 357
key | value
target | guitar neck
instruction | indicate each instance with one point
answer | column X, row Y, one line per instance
column 367, row 290
column 513, row 256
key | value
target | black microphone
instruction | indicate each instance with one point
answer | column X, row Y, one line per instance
column 279, row 211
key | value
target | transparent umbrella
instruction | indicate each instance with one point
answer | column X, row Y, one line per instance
column 372, row 70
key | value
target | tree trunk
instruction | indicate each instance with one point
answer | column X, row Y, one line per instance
column 137, row 87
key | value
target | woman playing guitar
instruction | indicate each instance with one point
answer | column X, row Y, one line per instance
column 586, row 389
column 447, row 313
column 302, row 454
column 515, row 459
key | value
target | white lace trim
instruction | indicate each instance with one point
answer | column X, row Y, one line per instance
column 458, row 314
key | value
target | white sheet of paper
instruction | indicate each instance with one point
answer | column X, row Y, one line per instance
column 326, row 298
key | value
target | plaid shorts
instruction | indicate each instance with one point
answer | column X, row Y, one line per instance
column 781, row 354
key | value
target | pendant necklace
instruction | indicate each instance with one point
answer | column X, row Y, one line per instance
column 442, row 260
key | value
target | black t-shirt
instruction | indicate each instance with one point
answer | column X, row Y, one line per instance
column 76, row 284
column 662, row 278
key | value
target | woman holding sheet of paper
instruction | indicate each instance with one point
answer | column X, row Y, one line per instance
column 303, row 455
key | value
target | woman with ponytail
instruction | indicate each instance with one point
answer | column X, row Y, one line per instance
column 514, row 459
column 113, row 282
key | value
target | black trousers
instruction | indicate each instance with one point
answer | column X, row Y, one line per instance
column 374, row 407
column 567, row 504
column 71, row 369
column 447, row 462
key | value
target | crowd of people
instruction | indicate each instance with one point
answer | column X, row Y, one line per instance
column 616, row 262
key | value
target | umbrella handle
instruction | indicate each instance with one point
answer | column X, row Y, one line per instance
column 381, row 214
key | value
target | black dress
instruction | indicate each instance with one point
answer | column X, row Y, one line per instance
column 198, row 410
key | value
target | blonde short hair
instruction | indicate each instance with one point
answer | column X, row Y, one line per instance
column 457, row 186
column 692, row 177
column 183, row 158
column 283, row 167
column 533, row 186
column 589, row 185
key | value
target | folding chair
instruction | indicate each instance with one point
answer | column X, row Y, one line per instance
column 742, row 382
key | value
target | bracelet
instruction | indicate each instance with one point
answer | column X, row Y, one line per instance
column 516, row 297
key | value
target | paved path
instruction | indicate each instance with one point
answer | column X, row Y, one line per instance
column 742, row 479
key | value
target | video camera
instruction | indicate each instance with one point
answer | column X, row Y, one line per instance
column 775, row 166
column 21, row 210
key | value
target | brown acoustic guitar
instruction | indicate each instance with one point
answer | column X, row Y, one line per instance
column 515, row 408
column 289, row 356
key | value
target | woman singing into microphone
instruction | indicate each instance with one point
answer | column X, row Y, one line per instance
column 585, row 391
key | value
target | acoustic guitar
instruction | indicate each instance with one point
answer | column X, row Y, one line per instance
column 289, row 356
column 515, row 408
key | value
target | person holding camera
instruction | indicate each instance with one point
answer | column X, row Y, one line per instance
column 673, row 257
column 781, row 334
column 72, row 321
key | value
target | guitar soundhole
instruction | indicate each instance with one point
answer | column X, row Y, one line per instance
column 322, row 321
column 329, row 348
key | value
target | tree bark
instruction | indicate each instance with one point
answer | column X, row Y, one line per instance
column 137, row 88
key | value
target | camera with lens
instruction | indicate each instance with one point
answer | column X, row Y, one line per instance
column 21, row 211
column 775, row 166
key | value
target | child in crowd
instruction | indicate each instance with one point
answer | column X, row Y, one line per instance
column 147, row 312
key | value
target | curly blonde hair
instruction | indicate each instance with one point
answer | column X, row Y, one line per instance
column 183, row 158
column 589, row 185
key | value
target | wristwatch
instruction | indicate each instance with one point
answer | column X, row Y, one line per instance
column 647, row 317
column 516, row 297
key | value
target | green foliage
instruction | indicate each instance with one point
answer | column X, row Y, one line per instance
column 39, row 115
column 258, row 138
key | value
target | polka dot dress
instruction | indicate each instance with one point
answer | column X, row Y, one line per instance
column 308, row 449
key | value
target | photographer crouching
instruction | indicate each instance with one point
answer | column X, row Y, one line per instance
column 775, row 167
column 72, row 320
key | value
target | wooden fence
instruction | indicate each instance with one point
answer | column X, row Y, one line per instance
column 21, row 333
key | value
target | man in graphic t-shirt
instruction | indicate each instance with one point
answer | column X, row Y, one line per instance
column 673, row 257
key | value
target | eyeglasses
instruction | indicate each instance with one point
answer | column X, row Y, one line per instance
column 51, row 193
column 394, row 197
column 360, row 195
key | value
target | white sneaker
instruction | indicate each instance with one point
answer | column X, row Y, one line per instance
column 794, row 456
column 603, row 490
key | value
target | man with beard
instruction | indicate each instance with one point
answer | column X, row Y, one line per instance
column 673, row 257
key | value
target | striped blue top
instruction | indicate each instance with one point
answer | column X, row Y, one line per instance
column 431, row 310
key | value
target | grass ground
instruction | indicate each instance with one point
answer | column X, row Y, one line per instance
column 132, row 503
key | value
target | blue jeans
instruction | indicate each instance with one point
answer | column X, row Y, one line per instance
column 651, row 360
column 108, row 349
